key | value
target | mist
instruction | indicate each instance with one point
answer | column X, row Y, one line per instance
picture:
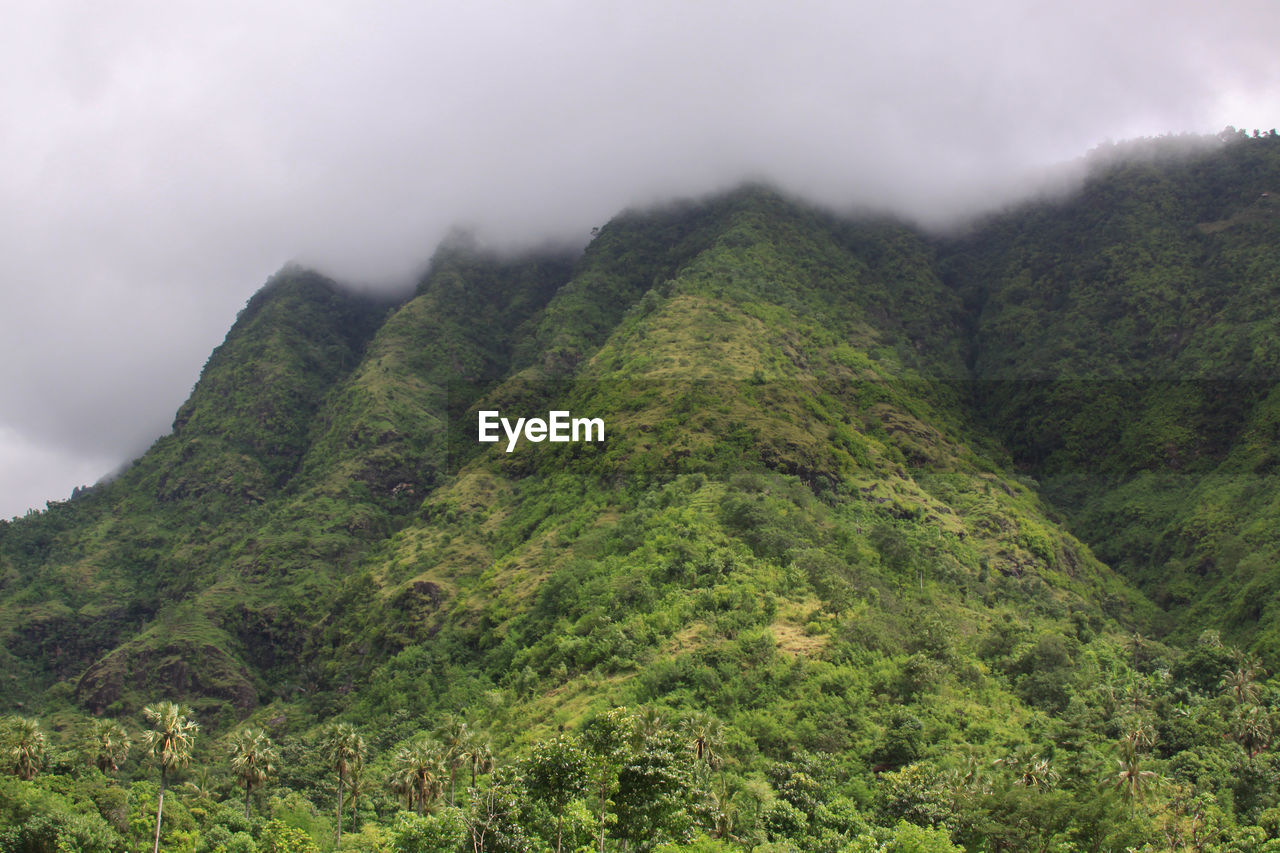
column 162, row 161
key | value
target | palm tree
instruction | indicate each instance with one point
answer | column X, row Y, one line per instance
column 481, row 758
column 418, row 772
column 1038, row 773
column 649, row 722
column 1137, row 694
column 706, row 734
column 200, row 786
column 24, row 744
column 723, row 810
column 1132, row 781
column 1242, row 683
column 110, row 745
column 1029, row 768
column 1252, row 729
column 343, row 748
column 252, row 759
column 456, row 739
column 168, row 741
column 1140, row 738
column 356, row 786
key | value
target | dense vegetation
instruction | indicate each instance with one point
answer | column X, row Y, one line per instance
column 895, row 543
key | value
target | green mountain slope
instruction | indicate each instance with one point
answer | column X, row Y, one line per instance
column 762, row 444
column 1127, row 352
column 861, row 499
column 110, row 566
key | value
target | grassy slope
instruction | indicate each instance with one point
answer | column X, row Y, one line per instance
column 207, row 557
column 118, row 564
column 788, row 492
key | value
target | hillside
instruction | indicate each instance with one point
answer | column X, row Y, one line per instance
column 1127, row 351
column 917, row 537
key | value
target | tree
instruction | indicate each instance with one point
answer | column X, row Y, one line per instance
column 279, row 838
column 169, row 741
column 1252, row 729
column 656, row 792
column 1139, row 642
column 1028, row 768
column 909, row 838
column 343, row 748
column 481, row 758
column 252, row 760
column 556, row 773
column 724, row 810
column 356, row 785
column 24, row 745
column 200, row 786
column 1140, row 737
column 413, row 833
column 606, row 738
column 1132, row 781
column 706, row 736
column 110, row 745
column 1137, row 694
column 494, row 816
column 1241, row 683
column 418, row 773
column 649, row 721
column 456, row 739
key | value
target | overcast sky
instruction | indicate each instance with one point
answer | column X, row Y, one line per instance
column 158, row 161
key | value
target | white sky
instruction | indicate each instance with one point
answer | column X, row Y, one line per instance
column 158, row 161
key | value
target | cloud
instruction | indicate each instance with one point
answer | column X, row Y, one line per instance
column 160, row 161
column 27, row 468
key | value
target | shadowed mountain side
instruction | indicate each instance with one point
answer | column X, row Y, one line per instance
column 1127, row 351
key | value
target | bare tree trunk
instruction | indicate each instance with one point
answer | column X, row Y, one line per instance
column 339, row 844
column 159, row 811
column 246, row 800
column 602, row 802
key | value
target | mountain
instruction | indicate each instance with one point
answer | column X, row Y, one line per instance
column 888, row 507
column 1127, row 353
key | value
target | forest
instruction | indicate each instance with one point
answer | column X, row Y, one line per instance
column 896, row 542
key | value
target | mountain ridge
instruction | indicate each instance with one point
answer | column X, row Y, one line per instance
column 849, row 501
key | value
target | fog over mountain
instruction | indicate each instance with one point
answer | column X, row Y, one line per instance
column 161, row 161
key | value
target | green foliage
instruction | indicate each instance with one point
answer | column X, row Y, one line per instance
column 110, row 745
column 904, row 838
column 279, row 838
column 418, row 772
column 22, row 743
column 172, row 735
column 656, row 793
column 253, row 760
column 430, row 833
column 848, row 547
column 1122, row 360
column 556, row 773
column 344, row 751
